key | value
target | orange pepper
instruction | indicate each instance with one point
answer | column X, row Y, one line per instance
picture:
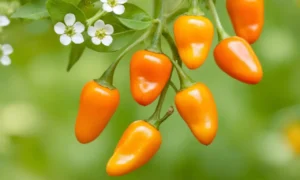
column 97, row 106
column 149, row 73
column 193, row 37
column 247, row 18
column 235, row 56
column 196, row 106
column 137, row 146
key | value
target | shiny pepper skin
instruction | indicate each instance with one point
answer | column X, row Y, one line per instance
column 149, row 73
column 197, row 108
column 136, row 147
column 235, row 56
column 193, row 37
column 247, row 17
column 97, row 106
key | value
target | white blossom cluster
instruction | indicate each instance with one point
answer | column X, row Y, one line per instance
column 5, row 49
column 71, row 30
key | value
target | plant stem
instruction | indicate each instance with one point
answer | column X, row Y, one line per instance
column 222, row 34
column 185, row 80
column 195, row 8
column 94, row 18
column 107, row 77
column 156, row 41
column 176, row 11
column 172, row 84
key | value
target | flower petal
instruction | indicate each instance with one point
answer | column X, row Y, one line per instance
column 78, row 27
column 99, row 24
column 107, row 40
column 77, row 39
column 65, row 39
column 70, row 19
column 109, row 29
column 107, row 7
column 96, row 41
column 121, row 1
column 5, row 60
column 59, row 28
column 7, row 49
column 92, row 31
column 104, row 1
column 4, row 21
column 119, row 9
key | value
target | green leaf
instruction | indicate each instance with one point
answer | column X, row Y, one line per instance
column 75, row 2
column 34, row 11
column 120, row 40
column 75, row 54
column 135, row 17
column 59, row 8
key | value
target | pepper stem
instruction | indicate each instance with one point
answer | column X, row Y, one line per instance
column 195, row 8
column 106, row 79
column 156, row 41
column 222, row 34
column 94, row 18
column 185, row 80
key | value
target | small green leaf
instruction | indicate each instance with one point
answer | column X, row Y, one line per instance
column 75, row 2
column 135, row 17
column 59, row 8
column 120, row 40
column 34, row 11
column 75, row 54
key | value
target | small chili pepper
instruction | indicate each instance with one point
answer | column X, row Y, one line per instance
column 193, row 37
column 137, row 146
column 293, row 137
column 235, row 57
column 247, row 18
column 197, row 108
column 97, row 106
column 149, row 73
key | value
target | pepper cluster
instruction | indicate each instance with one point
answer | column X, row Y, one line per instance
column 150, row 72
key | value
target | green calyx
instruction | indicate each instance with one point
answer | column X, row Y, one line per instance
column 195, row 8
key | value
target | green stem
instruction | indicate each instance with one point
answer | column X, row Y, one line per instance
column 156, row 41
column 107, row 77
column 222, row 34
column 195, row 8
column 94, row 18
column 180, row 9
column 172, row 84
column 185, row 80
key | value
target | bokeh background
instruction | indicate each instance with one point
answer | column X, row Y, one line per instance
column 39, row 103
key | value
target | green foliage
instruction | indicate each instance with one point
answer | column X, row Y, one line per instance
column 75, row 54
column 135, row 17
column 33, row 10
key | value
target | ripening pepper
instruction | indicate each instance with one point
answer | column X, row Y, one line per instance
column 293, row 137
column 247, row 17
column 235, row 57
column 97, row 106
column 193, row 37
column 197, row 108
column 137, row 146
column 149, row 73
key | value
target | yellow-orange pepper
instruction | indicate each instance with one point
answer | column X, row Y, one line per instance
column 235, row 57
column 247, row 18
column 97, row 106
column 193, row 37
column 196, row 106
column 293, row 136
column 138, row 145
column 149, row 73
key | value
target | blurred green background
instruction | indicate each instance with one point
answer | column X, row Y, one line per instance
column 39, row 103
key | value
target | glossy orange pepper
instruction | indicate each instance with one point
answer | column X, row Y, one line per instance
column 137, row 146
column 293, row 136
column 197, row 108
column 97, row 106
column 149, row 73
column 193, row 37
column 235, row 56
column 247, row 17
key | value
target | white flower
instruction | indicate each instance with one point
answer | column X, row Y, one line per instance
column 5, row 51
column 71, row 31
column 101, row 33
column 4, row 21
column 115, row 6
